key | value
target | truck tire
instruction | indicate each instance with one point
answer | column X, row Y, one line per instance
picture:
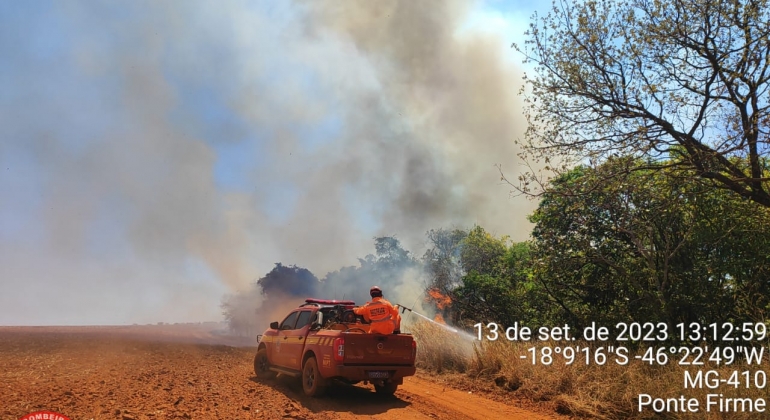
column 313, row 383
column 387, row 389
column 262, row 365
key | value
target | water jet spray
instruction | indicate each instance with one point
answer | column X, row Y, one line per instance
column 444, row 326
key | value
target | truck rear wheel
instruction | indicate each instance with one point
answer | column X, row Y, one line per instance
column 262, row 365
column 387, row 389
column 313, row 383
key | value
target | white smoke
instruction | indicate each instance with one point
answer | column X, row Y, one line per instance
column 158, row 155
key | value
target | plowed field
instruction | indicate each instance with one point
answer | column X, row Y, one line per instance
column 165, row 372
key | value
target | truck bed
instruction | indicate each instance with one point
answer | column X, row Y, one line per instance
column 379, row 349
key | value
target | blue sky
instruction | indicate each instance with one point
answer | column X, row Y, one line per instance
column 156, row 156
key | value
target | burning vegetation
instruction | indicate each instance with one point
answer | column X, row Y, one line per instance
column 441, row 301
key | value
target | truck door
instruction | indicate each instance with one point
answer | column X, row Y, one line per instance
column 295, row 341
column 281, row 342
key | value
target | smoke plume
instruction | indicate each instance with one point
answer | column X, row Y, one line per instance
column 156, row 156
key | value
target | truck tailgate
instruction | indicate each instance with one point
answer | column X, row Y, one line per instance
column 379, row 349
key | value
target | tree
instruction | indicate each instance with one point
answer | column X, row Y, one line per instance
column 442, row 259
column 388, row 269
column 648, row 247
column 288, row 280
column 483, row 253
column 497, row 285
column 682, row 84
column 391, row 255
column 248, row 312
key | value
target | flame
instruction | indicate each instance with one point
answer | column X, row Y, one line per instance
column 441, row 300
column 440, row 319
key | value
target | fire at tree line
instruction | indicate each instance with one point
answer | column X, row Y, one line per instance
column 645, row 247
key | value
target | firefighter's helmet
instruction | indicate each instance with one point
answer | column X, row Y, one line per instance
column 375, row 291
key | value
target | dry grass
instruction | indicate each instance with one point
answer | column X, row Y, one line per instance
column 439, row 350
column 608, row 391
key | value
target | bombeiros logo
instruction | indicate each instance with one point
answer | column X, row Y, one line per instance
column 45, row 415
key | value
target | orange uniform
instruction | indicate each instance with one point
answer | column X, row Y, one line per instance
column 383, row 316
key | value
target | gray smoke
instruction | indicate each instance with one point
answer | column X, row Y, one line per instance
column 157, row 155
column 443, row 111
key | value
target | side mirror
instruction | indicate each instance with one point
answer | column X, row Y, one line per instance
column 274, row 325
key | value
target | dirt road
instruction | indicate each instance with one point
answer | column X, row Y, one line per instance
column 163, row 372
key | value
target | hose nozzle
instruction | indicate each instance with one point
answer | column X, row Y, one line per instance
column 403, row 308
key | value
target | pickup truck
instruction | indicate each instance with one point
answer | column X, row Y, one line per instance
column 323, row 341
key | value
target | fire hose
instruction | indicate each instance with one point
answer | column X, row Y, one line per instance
column 444, row 326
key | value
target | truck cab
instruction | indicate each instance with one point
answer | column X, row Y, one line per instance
column 323, row 341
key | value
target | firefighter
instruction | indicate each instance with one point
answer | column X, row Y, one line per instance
column 382, row 315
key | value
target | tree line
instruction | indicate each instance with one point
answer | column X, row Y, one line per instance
column 644, row 246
